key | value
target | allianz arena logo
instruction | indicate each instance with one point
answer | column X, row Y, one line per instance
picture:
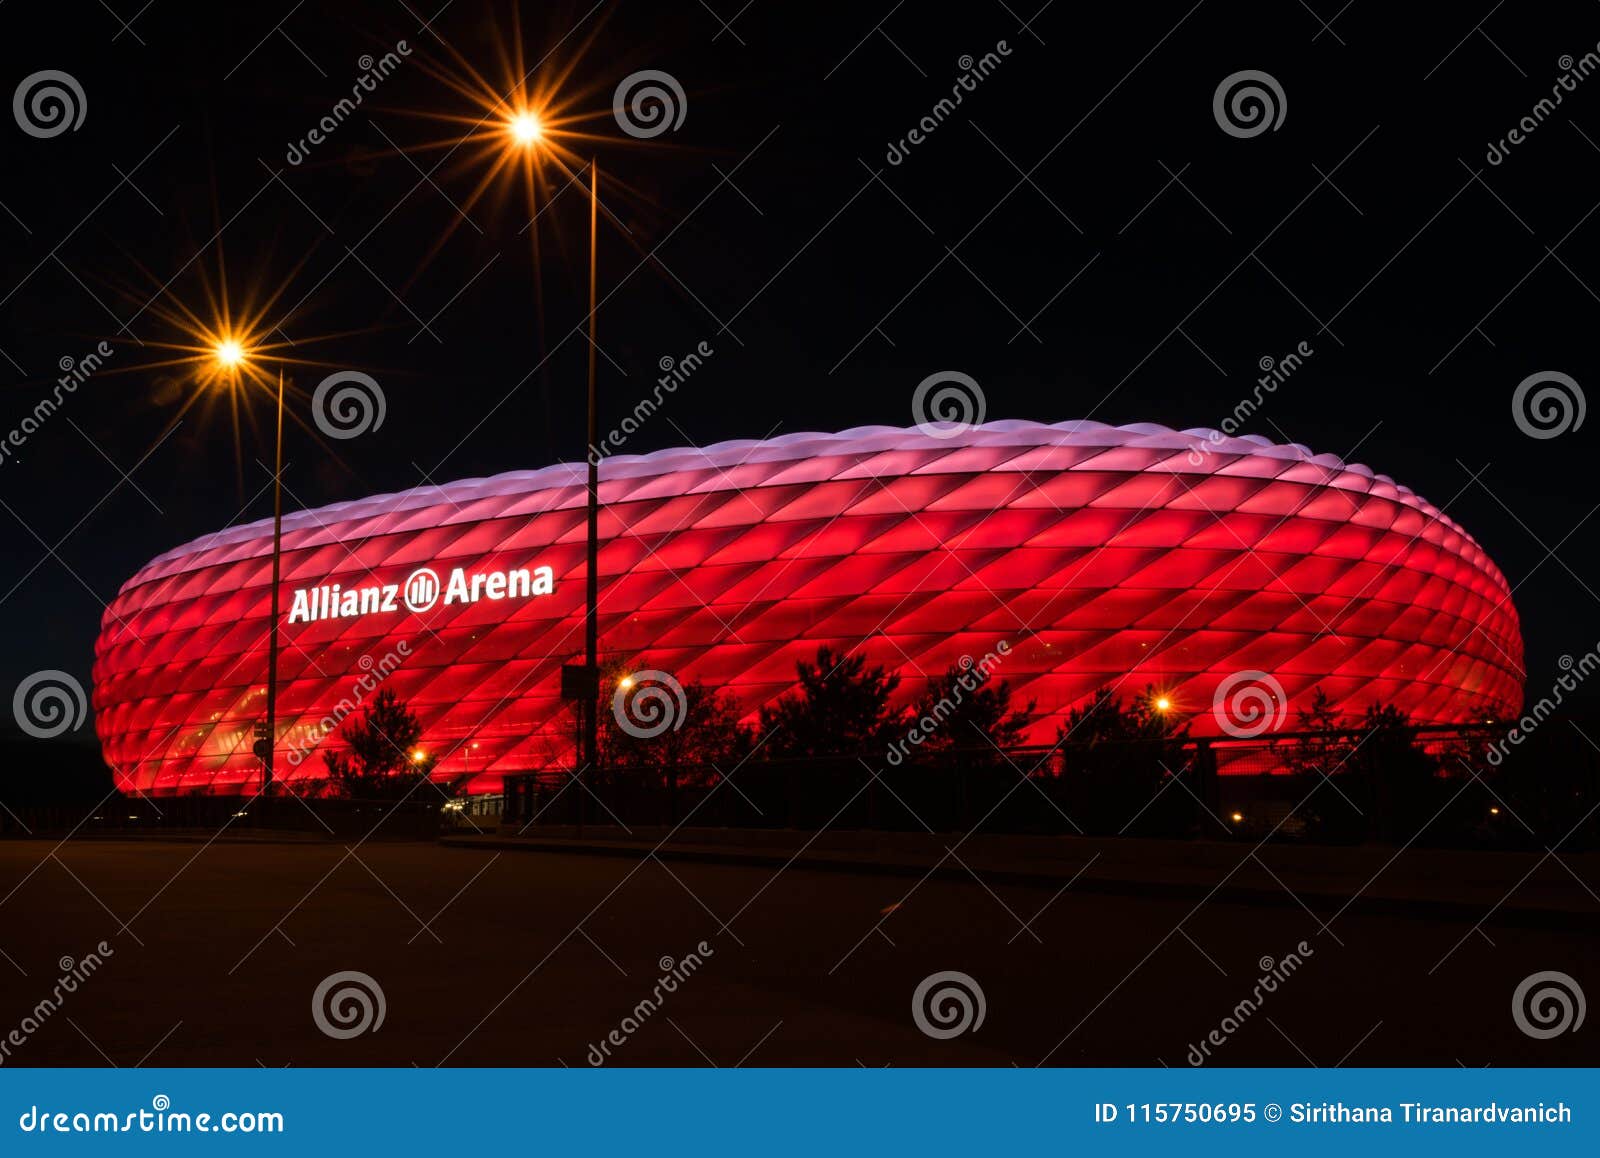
column 422, row 591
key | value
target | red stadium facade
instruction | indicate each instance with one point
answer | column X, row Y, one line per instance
column 1100, row 555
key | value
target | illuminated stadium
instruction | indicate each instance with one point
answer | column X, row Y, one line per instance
column 1100, row 554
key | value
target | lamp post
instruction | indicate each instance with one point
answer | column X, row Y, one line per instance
column 272, row 628
column 591, row 627
column 231, row 355
column 527, row 131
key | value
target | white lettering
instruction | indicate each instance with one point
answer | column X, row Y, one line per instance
column 310, row 604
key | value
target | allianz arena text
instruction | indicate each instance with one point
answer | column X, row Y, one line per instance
column 1100, row 555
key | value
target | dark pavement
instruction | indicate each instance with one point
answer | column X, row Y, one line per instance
column 519, row 958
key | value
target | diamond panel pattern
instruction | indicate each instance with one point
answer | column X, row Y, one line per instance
column 1099, row 553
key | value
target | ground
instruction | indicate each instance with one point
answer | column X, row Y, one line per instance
column 523, row 958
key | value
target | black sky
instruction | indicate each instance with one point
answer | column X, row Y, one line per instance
column 827, row 281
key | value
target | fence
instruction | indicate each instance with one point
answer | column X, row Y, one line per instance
column 1342, row 786
column 1431, row 785
column 958, row 793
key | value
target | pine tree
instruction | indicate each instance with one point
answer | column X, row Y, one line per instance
column 382, row 759
column 842, row 708
column 970, row 709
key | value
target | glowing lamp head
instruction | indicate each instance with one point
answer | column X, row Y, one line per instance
column 526, row 128
column 1163, row 704
column 229, row 353
column 625, row 682
column 418, row 756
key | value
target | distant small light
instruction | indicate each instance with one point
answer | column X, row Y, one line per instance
column 625, row 682
column 1237, row 817
column 418, row 756
column 1163, row 704
column 1493, row 811
column 230, row 352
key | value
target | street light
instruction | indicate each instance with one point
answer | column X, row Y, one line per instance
column 224, row 346
column 527, row 132
column 522, row 125
column 231, row 355
column 527, row 128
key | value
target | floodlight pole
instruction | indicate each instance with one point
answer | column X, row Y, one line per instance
column 591, row 660
column 272, row 628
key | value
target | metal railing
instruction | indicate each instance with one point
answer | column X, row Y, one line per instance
column 1342, row 785
column 1346, row 785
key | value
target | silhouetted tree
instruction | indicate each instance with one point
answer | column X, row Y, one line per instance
column 842, row 708
column 967, row 707
column 1379, row 781
column 1115, row 760
column 1104, row 719
column 382, row 760
column 703, row 734
column 1323, row 742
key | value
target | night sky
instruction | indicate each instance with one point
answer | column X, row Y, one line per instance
column 1080, row 236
